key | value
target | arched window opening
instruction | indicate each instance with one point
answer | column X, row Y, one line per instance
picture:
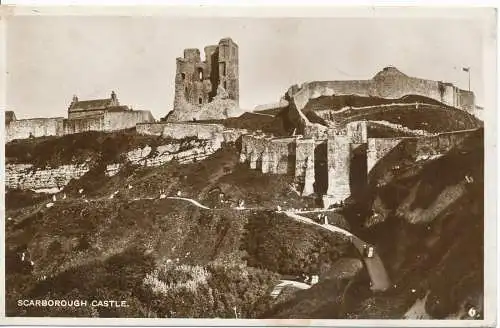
column 225, row 85
column 200, row 73
column 200, row 100
column 183, row 76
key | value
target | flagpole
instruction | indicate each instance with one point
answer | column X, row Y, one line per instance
column 468, row 71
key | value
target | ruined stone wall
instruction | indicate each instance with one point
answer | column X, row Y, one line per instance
column 441, row 143
column 253, row 147
column 95, row 123
column 232, row 135
column 389, row 83
column 38, row 127
column 200, row 131
column 114, row 121
column 338, row 166
column 316, row 131
column 25, row 176
column 421, row 148
column 466, row 100
column 156, row 129
column 153, row 129
column 282, row 154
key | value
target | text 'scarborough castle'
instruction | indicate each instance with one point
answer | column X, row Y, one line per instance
column 319, row 157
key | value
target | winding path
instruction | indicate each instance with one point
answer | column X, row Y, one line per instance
column 192, row 201
column 376, row 270
column 284, row 283
column 378, row 275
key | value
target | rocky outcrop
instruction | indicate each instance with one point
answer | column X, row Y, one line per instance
column 26, row 176
column 147, row 157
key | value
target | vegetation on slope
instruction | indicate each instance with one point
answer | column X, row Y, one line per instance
column 439, row 252
column 94, row 147
column 80, row 244
column 169, row 258
column 269, row 123
column 429, row 115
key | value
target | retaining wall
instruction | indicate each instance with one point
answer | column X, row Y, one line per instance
column 200, row 131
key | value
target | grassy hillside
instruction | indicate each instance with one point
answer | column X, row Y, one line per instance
column 266, row 122
column 430, row 115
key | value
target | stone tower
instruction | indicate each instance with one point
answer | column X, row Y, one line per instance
column 199, row 82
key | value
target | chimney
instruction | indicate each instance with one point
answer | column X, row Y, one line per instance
column 114, row 99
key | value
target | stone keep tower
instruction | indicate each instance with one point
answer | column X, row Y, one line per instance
column 200, row 82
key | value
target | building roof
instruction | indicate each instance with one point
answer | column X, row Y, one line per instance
column 90, row 104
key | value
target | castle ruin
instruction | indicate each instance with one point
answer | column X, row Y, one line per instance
column 205, row 89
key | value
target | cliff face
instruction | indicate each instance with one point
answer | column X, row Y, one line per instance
column 49, row 165
column 426, row 219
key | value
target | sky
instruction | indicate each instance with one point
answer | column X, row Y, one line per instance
column 51, row 58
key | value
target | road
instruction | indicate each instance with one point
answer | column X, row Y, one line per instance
column 284, row 283
column 374, row 265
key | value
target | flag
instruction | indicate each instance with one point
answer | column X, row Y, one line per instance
column 465, row 69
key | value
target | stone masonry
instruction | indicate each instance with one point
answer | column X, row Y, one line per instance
column 196, row 81
column 297, row 156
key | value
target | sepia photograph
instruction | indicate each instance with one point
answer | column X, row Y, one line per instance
column 281, row 166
